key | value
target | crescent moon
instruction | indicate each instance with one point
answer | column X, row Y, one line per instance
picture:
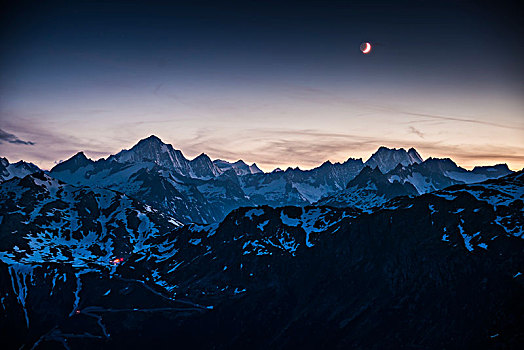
column 367, row 49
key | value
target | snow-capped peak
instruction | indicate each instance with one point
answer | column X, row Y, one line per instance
column 203, row 167
column 74, row 163
column 18, row 169
column 152, row 149
column 254, row 169
column 387, row 159
column 415, row 156
column 240, row 167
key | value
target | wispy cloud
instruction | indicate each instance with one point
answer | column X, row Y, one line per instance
column 50, row 143
column 12, row 138
column 308, row 148
column 286, row 147
column 269, row 147
column 464, row 120
column 323, row 96
column 416, row 131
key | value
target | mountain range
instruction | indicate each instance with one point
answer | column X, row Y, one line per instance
column 205, row 191
column 147, row 248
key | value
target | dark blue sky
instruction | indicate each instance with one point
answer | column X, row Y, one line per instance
column 198, row 73
column 257, row 34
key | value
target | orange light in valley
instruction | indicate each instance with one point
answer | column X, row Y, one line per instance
column 116, row 261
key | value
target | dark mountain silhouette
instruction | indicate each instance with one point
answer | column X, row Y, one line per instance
column 441, row 270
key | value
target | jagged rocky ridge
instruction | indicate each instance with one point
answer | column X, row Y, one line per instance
column 185, row 198
column 200, row 190
column 204, row 191
column 369, row 189
column 441, row 270
column 239, row 167
column 386, row 159
column 19, row 169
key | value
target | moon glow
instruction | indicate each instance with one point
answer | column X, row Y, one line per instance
column 365, row 48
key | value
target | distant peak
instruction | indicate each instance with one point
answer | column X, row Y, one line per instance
column 387, row 159
column 240, row 167
column 153, row 137
column 150, row 139
column 255, row 169
column 22, row 163
column 368, row 173
column 202, row 156
column 492, row 170
column 415, row 155
column 79, row 155
column 502, row 166
column 446, row 161
column 351, row 160
column 384, row 148
column 75, row 162
column 150, row 142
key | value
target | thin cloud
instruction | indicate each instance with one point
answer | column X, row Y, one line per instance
column 12, row 138
column 464, row 120
column 309, row 148
column 52, row 144
column 320, row 95
column 417, row 132
column 268, row 147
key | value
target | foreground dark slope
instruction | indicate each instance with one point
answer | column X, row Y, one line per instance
column 438, row 271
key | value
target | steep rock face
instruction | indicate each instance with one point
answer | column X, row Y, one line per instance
column 449, row 169
column 387, row 159
column 173, row 194
column 19, row 169
column 186, row 199
column 369, row 189
column 203, row 167
column 74, row 163
column 435, row 174
column 299, row 187
column 152, row 149
column 427, row 176
column 442, row 270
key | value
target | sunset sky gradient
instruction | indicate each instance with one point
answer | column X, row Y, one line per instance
column 276, row 83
